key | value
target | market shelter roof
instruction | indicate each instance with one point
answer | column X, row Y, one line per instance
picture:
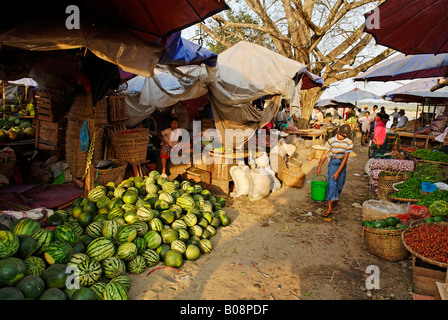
column 418, row 91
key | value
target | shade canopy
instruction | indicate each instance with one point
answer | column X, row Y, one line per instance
column 402, row 67
column 418, row 91
column 355, row 95
column 410, row 26
column 328, row 103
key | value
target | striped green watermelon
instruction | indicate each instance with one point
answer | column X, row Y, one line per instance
column 95, row 229
column 58, row 252
column 203, row 223
column 205, row 193
column 110, row 229
column 43, row 238
column 206, row 206
column 66, row 233
column 120, row 221
column 140, row 243
column 178, row 245
column 77, row 258
column 142, row 227
column 126, row 233
column 145, row 213
column 137, row 265
column 9, row 244
column 179, row 224
column 113, row 267
column 100, row 249
column 124, row 280
column 185, row 184
column 177, row 209
column 183, row 234
column 156, row 224
column 153, row 239
column 151, row 188
column 119, row 191
column 207, row 216
column 115, row 291
column 169, row 235
column 114, row 203
column 89, row 272
column 102, row 202
column 161, row 205
column 190, row 219
column 151, row 257
column 211, row 230
column 205, row 245
column 26, row 226
column 167, row 217
column 98, row 287
column 185, row 202
column 130, row 216
column 96, row 193
column 127, row 251
column 195, row 230
column 197, row 188
column 161, row 180
column 114, row 213
column 154, row 174
column 169, row 187
column 77, row 227
column 167, row 197
column 34, row 266
column 101, row 217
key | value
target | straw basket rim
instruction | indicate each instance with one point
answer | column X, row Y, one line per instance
column 418, row 225
column 386, row 244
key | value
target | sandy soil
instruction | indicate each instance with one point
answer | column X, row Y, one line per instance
column 281, row 248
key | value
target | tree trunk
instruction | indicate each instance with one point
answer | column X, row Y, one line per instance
column 308, row 98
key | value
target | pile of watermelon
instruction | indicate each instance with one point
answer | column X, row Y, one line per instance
column 87, row 251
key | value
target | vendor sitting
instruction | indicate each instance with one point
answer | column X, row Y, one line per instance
column 402, row 121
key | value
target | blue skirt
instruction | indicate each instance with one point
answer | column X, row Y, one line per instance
column 334, row 188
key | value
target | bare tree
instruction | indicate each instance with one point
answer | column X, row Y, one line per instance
column 326, row 35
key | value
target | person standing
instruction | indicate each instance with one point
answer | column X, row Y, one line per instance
column 395, row 117
column 170, row 137
column 380, row 136
column 339, row 147
column 365, row 127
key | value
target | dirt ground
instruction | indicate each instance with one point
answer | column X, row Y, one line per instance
column 281, row 248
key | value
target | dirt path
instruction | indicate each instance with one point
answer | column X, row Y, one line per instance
column 280, row 248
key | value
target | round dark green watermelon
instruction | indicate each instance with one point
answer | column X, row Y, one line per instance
column 55, row 276
column 11, row 293
column 32, row 287
column 53, row 294
column 55, row 219
column 12, row 270
column 84, row 293
column 27, row 246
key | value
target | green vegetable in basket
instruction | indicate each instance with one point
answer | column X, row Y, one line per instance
column 438, row 208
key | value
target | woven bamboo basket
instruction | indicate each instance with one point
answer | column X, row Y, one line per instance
column 417, row 225
column 82, row 109
column 386, row 244
column 294, row 165
column 130, row 145
column 7, row 167
column 114, row 174
column 386, row 181
column 292, row 178
column 75, row 158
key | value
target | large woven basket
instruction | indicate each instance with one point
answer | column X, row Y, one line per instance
column 114, row 174
column 418, row 224
column 82, row 109
column 130, row 145
column 386, row 179
column 7, row 167
column 386, row 244
column 75, row 158
column 292, row 178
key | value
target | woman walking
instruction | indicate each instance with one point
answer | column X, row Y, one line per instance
column 339, row 148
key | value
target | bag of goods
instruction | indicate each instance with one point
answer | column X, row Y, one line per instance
column 260, row 184
column 240, row 177
column 418, row 212
column 372, row 209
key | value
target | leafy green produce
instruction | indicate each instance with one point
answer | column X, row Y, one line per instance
column 438, row 208
column 431, row 155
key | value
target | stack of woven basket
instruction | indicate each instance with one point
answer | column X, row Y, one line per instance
column 81, row 110
column 292, row 175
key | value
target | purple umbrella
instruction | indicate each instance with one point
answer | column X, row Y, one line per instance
column 419, row 91
column 355, row 95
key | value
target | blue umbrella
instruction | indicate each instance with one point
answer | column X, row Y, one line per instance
column 419, row 91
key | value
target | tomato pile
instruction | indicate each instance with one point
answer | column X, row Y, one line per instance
column 430, row 241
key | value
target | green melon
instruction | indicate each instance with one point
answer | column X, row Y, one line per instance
column 11, row 293
column 77, row 258
column 32, row 287
column 100, row 249
column 137, row 265
column 53, row 294
column 173, row 258
column 178, row 245
column 84, row 293
column 95, row 229
column 9, row 244
column 126, row 233
column 142, row 227
column 98, row 288
column 169, row 235
column 110, row 229
column 140, row 243
column 145, row 213
column 58, row 252
column 127, row 251
column 153, row 239
column 55, row 276
column 34, row 266
column 115, row 291
column 89, row 272
column 205, row 245
column 125, row 281
column 25, row 226
column 65, row 233
column 151, row 257
column 27, row 246
column 12, row 270
column 113, row 267
column 192, row 252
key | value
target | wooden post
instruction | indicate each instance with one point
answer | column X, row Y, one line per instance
column 90, row 178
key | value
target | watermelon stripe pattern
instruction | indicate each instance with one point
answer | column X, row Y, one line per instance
column 100, row 249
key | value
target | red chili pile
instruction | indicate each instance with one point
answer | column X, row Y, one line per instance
column 430, row 241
